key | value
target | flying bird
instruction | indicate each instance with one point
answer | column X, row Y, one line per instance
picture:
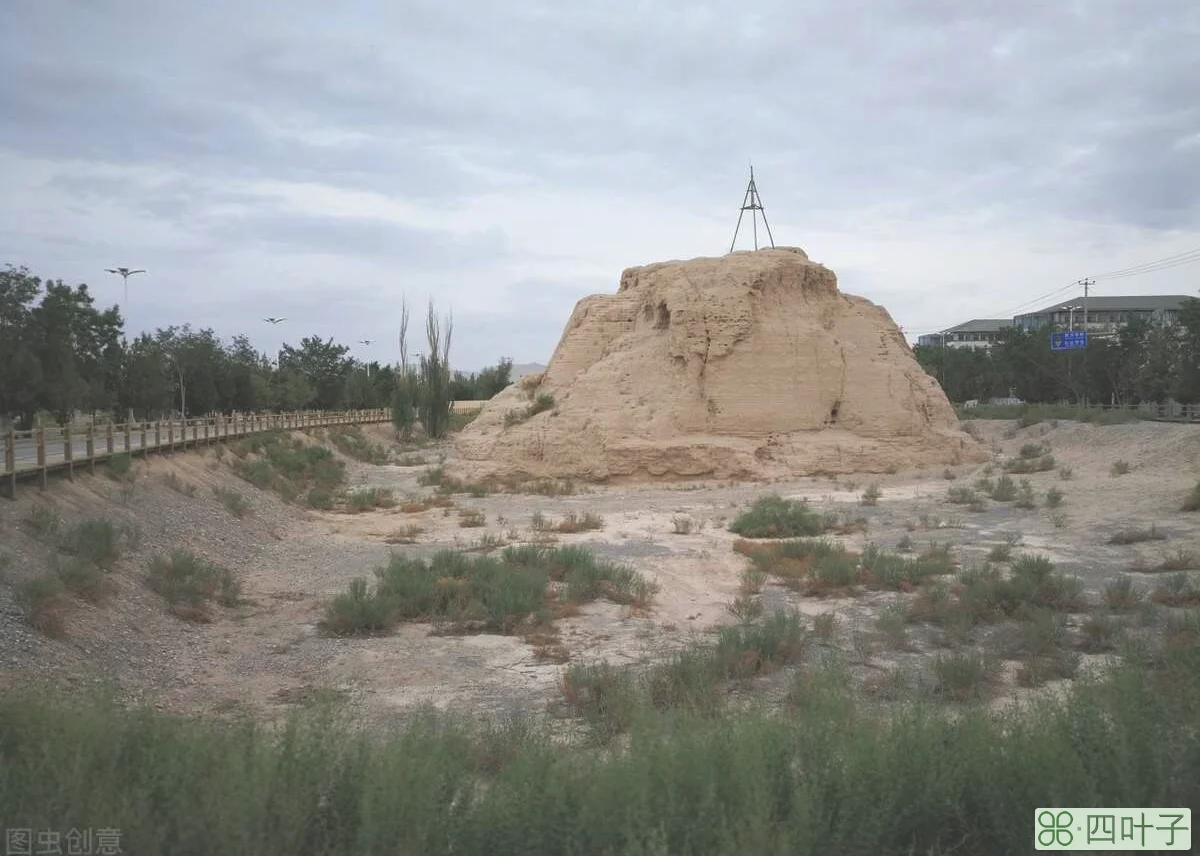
column 274, row 320
column 365, row 341
column 124, row 273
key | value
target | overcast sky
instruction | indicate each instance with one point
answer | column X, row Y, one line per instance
column 947, row 159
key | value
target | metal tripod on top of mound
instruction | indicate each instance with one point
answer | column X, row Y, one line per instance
column 753, row 204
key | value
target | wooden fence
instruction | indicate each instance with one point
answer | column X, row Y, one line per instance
column 35, row 453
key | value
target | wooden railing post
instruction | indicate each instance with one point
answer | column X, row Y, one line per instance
column 157, row 434
column 67, row 451
column 171, row 434
column 142, row 426
column 40, row 444
column 91, row 448
column 10, row 461
column 110, row 439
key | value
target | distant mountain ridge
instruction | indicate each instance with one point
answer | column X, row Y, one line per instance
column 519, row 370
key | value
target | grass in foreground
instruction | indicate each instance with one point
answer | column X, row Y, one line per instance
column 521, row 589
column 826, row 777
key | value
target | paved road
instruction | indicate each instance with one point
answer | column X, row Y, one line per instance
column 56, row 452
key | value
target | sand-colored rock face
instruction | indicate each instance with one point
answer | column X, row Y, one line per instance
column 753, row 365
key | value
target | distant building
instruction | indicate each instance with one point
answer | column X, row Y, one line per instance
column 978, row 333
column 1105, row 314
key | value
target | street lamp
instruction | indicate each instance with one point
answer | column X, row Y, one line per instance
column 273, row 321
column 367, row 342
column 124, row 273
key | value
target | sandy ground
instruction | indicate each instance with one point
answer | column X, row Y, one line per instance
column 269, row 655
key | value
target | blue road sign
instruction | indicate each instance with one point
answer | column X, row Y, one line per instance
column 1068, row 341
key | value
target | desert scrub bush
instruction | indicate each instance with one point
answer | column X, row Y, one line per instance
column 792, row 561
column 190, row 584
column 1122, row 594
column 1027, row 466
column 233, row 501
column 471, row 517
column 892, row 624
column 1054, row 498
column 682, row 525
column 43, row 599
column 119, row 465
column 1029, row 451
column 99, row 541
column 745, row 608
column 962, row 496
column 586, row 522
column 1177, row 590
column 175, row 483
column 1120, row 468
column 81, row 577
column 1136, row 535
column 964, row 675
column 949, row 474
column 1192, row 502
column 1025, row 496
column 772, row 516
column 1059, row 518
column 988, row 594
column 1065, row 473
column 1179, row 560
column 43, row 522
column 405, row 535
column 883, row 570
column 1100, row 633
column 319, row 498
column 871, row 495
column 290, row 468
column 905, row 544
column 484, row 593
column 368, row 498
column 351, row 443
column 1004, row 490
column 411, row 461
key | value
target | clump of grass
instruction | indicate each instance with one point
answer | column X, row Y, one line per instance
column 1065, row 473
column 44, row 601
column 772, row 516
column 1026, row 466
column 411, row 461
column 351, row 443
column 883, row 570
column 745, row 608
column 1136, row 535
column 1030, row 451
column 891, row 623
column 290, row 469
column 1100, row 633
column 320, row 498
column 753, row 579
column 1192, row 502
column 1000, row 553
column 470, row 518
column 683, row 525
column 43, row 522
column 1059, row 518
column 825, row 625
column 1120, row 468
column 191, row 584
column 1004, row 490
column 120, row 465
column 543, row 402
column 949, row 474
column 1179, row 560
column 585, row 522
column 175, row 483
column 1025, row 496
column 1054, row 498
column 961, row 495
column 964, row 675
column 368, row 498
column 905, row 545
column 871, row 495
column 233, row 501
column 98, row 541
column 1123, row 595
column 522, row 587
column 405, row 535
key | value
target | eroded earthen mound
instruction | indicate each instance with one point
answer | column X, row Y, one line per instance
column 753, row 365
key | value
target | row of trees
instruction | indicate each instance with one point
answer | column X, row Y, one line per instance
column 1145, row 361
column 62, row 354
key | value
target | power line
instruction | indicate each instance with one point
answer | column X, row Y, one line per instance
column 1186, row 257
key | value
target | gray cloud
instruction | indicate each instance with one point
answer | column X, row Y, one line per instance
column 930, row 108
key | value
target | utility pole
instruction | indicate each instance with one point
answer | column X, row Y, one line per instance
column 1086, row 282
column 753, row 204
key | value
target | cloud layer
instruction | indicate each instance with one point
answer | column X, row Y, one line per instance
column 947, row 159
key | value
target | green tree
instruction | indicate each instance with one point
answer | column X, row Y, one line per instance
column 323, row 364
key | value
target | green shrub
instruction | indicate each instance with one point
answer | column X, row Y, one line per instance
column 773, row 516
column 320, row 498
column 120, row 465
column 97, row 541
column 190, row 583
column 233, row 501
